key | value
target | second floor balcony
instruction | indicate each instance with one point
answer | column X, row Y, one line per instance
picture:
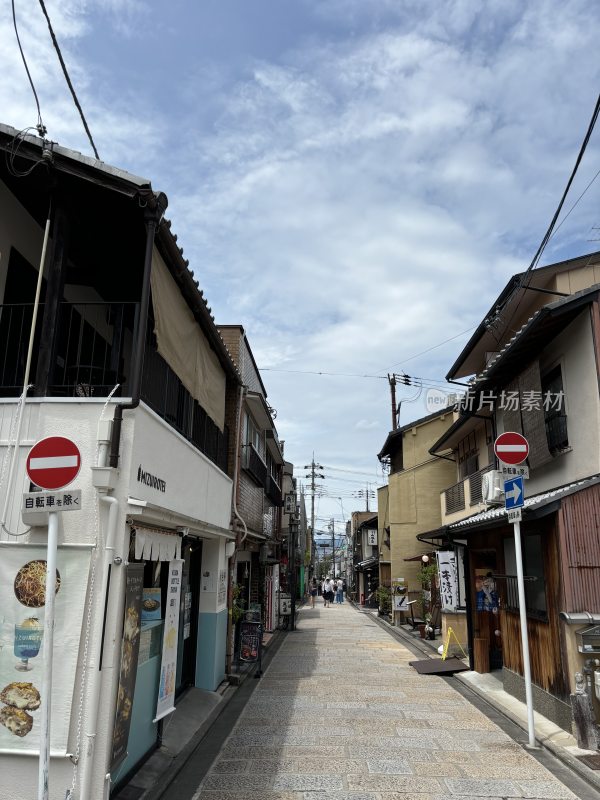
column 463, row 498
column 90, row 355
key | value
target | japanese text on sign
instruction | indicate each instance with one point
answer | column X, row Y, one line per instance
column 52, row 501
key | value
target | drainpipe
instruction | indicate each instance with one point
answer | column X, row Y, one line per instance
column 236, row 467
column 236, row 513
column 152, row 216
column 94, row 675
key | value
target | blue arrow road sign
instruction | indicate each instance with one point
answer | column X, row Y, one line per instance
column 514, row 496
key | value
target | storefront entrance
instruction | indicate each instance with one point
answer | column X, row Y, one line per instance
column 191, row 553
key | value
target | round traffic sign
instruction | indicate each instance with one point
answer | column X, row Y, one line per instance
column 53, row 462
column 511, row 448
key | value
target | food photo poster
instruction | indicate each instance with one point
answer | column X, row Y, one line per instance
column 22, row 642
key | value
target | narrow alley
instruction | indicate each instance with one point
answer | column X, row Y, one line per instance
column 339, row 712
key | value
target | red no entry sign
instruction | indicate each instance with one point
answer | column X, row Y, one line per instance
column 53, row 463
column 511, row 448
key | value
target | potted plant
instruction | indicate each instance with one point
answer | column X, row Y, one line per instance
column 384, row 600
column 427, row 576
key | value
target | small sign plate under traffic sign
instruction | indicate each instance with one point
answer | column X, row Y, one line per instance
column 513, row 472
column 52, row 501
column 514, row 515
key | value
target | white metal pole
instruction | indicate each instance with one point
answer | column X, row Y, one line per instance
column 524, row 636
column 44, row 766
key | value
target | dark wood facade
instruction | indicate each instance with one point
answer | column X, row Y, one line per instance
column 502, row 628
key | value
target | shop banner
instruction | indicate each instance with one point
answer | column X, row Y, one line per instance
column 22, row 608
column 250, row 640
column 448, row 576
column 134, row 586
column 399, row 594
column 168, row 668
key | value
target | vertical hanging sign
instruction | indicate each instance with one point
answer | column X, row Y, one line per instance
column 448, row 576
column 168, row 668
column 134, row 586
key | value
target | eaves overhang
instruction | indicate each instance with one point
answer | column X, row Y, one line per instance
column 539, row 330
column 464, row 425
column 535, row 507
column 368, row 562
column 97, row 172
column 262, row 416
column 507, row 302
column 394, row 438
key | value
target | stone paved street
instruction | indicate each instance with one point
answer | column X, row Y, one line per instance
column 339, row 713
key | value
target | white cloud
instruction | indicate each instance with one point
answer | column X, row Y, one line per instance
column 353, row 201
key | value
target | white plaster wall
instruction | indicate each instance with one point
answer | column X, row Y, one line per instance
column 213, row 563
column 194, row 485
column 196, row 488
column 78, row 420
column 574, row 350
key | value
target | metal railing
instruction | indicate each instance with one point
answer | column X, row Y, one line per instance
column 273, row 491
column 454, row 498
column 91, row 353
column 475, row 485
column 556, row 432
column 87, row 355
column 254, row 465
column 164, row 393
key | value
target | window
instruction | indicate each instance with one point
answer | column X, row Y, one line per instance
column 253, row 436
column 533, row 568
column 468, row 456
column 555, row 417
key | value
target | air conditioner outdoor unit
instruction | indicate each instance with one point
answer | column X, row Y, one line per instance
column 492, row 486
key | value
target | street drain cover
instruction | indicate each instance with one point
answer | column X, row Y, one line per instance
column 593, row 762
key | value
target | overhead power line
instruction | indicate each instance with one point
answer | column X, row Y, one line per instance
column 68, row 79
column 41, row 128
column 526, row 279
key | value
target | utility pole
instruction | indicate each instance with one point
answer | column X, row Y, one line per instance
column 366, row 493
column 314, row 474
column 392, row 382
column 332, row 526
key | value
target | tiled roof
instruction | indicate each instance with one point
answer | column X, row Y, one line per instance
column 537, row 501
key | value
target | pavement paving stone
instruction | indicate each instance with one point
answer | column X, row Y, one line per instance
column 309, row 782
column 390, row 766
column 394, row 783
column 437, row 769
column 546, row 790
column 340, row 715
column 495, row 769
column 283, row 751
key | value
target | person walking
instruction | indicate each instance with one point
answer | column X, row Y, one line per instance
column 328, row 591
column 323, row 593
column 313, row 592
column 339, row 596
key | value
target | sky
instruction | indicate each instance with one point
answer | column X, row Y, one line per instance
column 353, row 181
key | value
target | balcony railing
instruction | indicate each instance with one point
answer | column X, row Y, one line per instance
column 91, row 354
column 475, row 488
column 254, row 465
column 455, row 498
column 87, row 355
column 164, row 393
column 556, row 433
column 273, row 491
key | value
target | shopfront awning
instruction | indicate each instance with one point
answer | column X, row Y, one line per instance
column 368, row 563
column 153, row 544
column 535, row 507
